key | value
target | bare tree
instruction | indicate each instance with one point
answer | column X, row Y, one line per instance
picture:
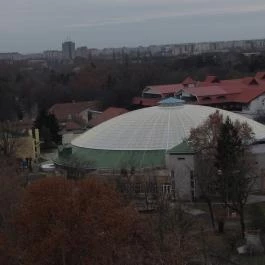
column 11, row 191
column 203, row 140
column 176, row 230
column 222, row 147
column 8, row 138
column 206, row 175
column 237, row 168
column 77, row 169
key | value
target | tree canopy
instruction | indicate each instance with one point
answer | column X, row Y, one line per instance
column 225, row 166
column 84, row 222
column 48, row 127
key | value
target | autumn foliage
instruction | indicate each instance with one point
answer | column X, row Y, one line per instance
column 225, row 167
column 85, row 222
column 204, row 138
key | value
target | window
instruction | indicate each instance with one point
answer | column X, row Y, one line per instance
column 166, row 188
column 181, row 158
column 172, row 174
column 151, row 95
column 206, row 98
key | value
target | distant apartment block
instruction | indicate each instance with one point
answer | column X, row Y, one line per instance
column 187, row 49
column 68, row 50
column 82, row 52
column 205, row 47
column 52, row 55
column 11, row 56
column 246, row 47
column 33, row 56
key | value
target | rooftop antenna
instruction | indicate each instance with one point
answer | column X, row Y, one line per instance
column 68, row 38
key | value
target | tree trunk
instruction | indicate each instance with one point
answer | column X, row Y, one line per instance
column 242, row 221
column 63, row 256
column 210, row 207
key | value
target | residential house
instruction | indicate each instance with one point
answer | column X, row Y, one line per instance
column 245, row 95
column 20, row 138
column 28, row 145
column 151, row 95
column 108, row 114
column 73, row 117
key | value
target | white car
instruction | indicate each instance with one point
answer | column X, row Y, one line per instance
column 47, row 167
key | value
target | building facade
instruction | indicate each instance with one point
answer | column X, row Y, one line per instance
column 68, row 50
column 245, row 96
column 181, row 162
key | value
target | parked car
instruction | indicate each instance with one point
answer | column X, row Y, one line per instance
column 47, row 167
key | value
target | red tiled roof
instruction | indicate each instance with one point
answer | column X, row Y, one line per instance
column 107, row 115
column 62, row 111
column 260, row 75
column 250, row 81
column 72, row 125
column 163, row 89
column 244, row 96
column 217, row 99
column 232, row 82
column 206, row 91
column 237, row 90
column 145, row 102
column 213, row 90
column 250, row 94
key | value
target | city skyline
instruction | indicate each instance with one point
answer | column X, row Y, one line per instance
column 33, row 26
column 70, row 51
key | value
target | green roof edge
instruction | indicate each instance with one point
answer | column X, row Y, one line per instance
column 181, row 149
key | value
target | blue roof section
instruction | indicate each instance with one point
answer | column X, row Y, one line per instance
column 171, row 102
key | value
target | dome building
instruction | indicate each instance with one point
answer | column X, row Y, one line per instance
column 141, row 138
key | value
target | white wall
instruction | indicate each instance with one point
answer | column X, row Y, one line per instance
column 255, row 105
column 68, row 137
column 182, row 169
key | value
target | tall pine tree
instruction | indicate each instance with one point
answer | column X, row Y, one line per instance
column 48, row 126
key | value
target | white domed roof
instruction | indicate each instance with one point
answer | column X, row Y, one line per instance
column 156, row 128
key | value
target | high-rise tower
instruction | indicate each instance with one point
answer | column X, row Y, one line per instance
column 68, row 49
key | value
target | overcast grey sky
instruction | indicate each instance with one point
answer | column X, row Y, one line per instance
column 36, row 25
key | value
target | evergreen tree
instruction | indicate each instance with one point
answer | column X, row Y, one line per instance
column 48, row 126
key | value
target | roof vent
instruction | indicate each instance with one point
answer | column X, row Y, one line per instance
column 171, row 102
